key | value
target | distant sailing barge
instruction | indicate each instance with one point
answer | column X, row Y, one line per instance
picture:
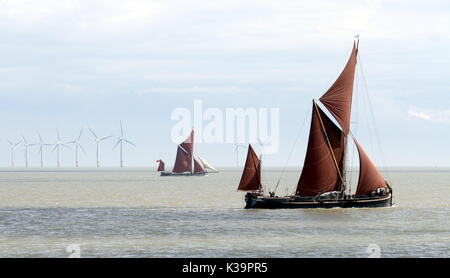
column 322, row 181
column 186, row 163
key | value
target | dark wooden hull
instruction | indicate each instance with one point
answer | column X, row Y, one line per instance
column 186, row 174
column 267, row 202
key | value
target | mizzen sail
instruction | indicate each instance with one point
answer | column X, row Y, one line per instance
column 322, row 169
column 251, row 176
column 198, row 166
column 338, row 98
column 370, row 178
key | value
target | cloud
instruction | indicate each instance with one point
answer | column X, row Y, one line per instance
column 435, row 116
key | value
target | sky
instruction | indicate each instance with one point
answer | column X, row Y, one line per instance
column 69, row 64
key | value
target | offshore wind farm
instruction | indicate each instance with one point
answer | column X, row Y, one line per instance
column 55, row 148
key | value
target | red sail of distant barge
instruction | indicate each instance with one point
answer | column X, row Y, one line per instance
column 188, row 164
column 160, row 165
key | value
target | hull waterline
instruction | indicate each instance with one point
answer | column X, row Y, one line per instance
column 267, row 202
column 186, row 174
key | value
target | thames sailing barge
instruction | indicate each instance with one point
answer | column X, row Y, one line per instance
column 188, row 164
column 322, row 181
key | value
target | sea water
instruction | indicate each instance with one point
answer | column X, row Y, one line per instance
column 136, row 213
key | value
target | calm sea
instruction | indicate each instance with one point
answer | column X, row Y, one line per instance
column 137, row 213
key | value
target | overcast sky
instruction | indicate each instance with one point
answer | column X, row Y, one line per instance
column 67, row 64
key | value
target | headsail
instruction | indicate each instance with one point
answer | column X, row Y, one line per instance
column 183, row 161
column 251, row 176
column 198, row 166
column 160, row 165
column 322, row 169
column 338, row 98
column 206, row 164
column 369, row 178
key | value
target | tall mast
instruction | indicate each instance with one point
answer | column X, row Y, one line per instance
column 344, row 156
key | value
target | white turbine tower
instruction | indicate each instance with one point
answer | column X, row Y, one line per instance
column 13, row 146
column 57, row 147
column 41, row 145
column 26, row 145
column 120, row 141
column 97, row 141
column 236, row 149
column 77, row 144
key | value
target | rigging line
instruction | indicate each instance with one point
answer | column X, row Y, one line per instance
column 299, row 132
column 377, row 138
column 355, row 118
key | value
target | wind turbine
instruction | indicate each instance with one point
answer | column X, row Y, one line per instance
column 77, row 144
column 262, row 144
column 13, row 146
column 97, row 141
column 57, row 147
column 236, row 149
column 41, row 146
column 26, row 145
column 120, row 141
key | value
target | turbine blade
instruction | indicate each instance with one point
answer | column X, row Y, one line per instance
column 56, row 146
column 57, row 133
column 81, row 147
column 24, row 140
column 93, row 133
column 64, row 145
column 40, row 138
column 129, row 142
column 17, row 144
column 81, row 131
column 116, row 144
column 121, row 129
column 71, row 142
column 11, row 143
column 39, row 152
column 104, row 138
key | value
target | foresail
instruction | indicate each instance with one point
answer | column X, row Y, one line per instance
column 206, row 164
column 370, row 178
column 250, row 179
column 338, row 98
column 322, row 169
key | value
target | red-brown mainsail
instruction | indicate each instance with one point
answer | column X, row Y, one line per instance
column 338, row 98
column 251, row 177
column 370, row 178
column 183, row 161
column 322, row 170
